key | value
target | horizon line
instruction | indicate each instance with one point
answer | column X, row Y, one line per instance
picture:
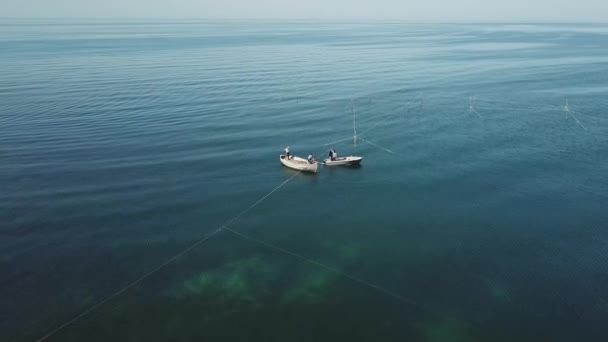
column 394, row 20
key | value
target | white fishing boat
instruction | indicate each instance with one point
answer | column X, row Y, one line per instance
column 299, row 164
column 343, row 161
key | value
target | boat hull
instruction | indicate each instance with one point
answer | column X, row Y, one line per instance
column 299, row 164
column 344, row 161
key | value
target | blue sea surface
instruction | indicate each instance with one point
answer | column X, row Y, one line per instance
column 480, row 211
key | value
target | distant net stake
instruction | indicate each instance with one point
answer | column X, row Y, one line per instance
column 352, row 104
column 472, row 106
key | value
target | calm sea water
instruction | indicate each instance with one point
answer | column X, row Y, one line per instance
column 481, row 202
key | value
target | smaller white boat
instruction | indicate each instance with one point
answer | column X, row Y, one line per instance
column 349, row 161
column 299, row 164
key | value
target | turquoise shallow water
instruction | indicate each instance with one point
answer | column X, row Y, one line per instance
column 124, row 142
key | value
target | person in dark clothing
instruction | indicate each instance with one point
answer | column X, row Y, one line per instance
column 332, row 155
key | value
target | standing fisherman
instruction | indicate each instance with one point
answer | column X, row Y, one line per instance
column 287, row 152
column 332, row 155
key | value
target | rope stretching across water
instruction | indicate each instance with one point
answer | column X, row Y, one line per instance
column 133, row 283
column 207, row 237
column 329, row 268
column 167, row 262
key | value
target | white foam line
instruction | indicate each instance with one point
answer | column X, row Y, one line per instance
column 576, row 119
column 588, row 115
column 337, row 141
column 378, row 123
column 260, row 200
column 476, row 112
column 378, row 146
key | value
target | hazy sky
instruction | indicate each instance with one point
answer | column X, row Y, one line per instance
column 410, row 10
